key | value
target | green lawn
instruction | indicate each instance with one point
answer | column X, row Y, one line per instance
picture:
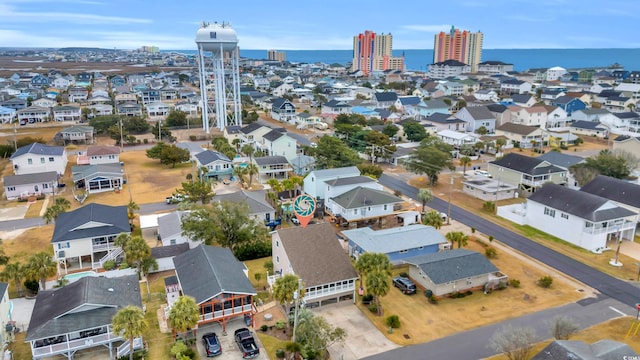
column 271, row 344
column 257, row 267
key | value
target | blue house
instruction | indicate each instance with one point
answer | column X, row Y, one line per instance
column 83, row 79
column 398, row 243
column 117, row 81
column 216, row 163
column 569, row 104
column 40, row 80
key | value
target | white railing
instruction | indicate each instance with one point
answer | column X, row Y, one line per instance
column 124, row 348
column 112, row 255
column 628, row 225
column 338, row 289
column 100, row 247
column 238, row 310
column 73, row 345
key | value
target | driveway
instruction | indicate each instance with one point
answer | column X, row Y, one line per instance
column 363, row 338
column 230, row 349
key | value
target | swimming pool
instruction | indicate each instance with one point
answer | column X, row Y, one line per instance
column 79, row 275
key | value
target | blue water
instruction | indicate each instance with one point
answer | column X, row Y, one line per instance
column 522, row 59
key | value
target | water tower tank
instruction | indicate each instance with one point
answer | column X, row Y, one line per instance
column 211, row 36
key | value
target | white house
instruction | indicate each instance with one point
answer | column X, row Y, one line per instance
column 32, row 115
column 7, row 115
column 170, row 230
column 38, row 158
column 253, row 133
column 555, row 73
column 66, row 113
column 45, row 102
column 339, row 186
column 580, row 218
column 158, row 108
column 457, row 138
column 362, row 203
column 315, row 185
column 23, row 186
column 101, row 109
column 277, row 142
column 529, row 116
column 283, row 110
column 476, row 117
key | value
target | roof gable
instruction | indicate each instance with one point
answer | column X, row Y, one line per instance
column 91, row 220
column 361, row 196
column 617, row 190
column 452, row 265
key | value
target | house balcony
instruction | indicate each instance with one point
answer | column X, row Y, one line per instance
column 610, row 228
column 328, row 290
column 105, row 247
column 63, row 344
column 220, row 314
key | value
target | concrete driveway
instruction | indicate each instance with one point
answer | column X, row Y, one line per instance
column 230, row 349
column 363, row 338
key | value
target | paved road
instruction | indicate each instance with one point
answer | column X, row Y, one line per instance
column 605, row 284
column 10, row 225
column 476, row 343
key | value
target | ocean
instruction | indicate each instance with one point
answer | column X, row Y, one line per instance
column 522, row 59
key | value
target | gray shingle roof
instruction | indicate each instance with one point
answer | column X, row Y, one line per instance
column 560, row 159
column 617, row 190
column 349, row 180
column 480, row 113
column 273, row 135
column 348, row 171
column 160, row 252
column 315, row 254
column 517, row 128
column 255, row 200
column 37, row 178
column 361, row 196
column 207, row 271
column 251, row 128
column 386, row 96
column 452, row 265
column 81, row 172
column 395, row 239
column 578, row 203
column 526, row 164
column 170, row 224
column 52, row 314
column 208, row 156
column 39, row 149
column 588, row 125
column 109, row 220
column 579, row 350
column 270, row 160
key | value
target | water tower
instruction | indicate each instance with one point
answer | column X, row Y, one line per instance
column 219, row 74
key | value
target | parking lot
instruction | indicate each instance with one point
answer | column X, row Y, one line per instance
column 229, row 348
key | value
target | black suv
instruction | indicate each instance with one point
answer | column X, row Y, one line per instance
column 405, row 285
column 211, row 344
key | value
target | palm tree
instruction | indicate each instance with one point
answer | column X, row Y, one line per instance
column 39, row 267
column 284, row 289
column 14, row 272
column 148, row 264
column 500, row 142
column 130, row 323
column 289, row 185
column 184, row 315
column 378, row 285
column 432, row 218
column 251, row 169
column 371, row 262
column 457, row 237
column 236, row 143
column 249, row 151
column 239, row 172
column 135, row 249
column 132, row 207
column 60, row 205
column 465, row 161
column 425, row 195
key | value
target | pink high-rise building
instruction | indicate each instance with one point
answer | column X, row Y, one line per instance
column 373, row 51
column 463, row 46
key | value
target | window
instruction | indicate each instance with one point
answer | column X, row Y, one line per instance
column 277, row 243
column 550, row 212
column 41, row 160
column 172, row 241
column 404, row 251
column 564, row 216
column 51, row 159
column 355, row 211
column 278, row 259
column 11, row 188
column 45, row 186
column 385, row 207
column 30, row 161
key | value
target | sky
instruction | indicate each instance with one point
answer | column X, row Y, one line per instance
column 318, row 24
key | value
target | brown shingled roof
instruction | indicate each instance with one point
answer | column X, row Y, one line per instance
column 102, row 150
column 316, row 255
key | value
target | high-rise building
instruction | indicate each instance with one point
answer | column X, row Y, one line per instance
column 276, row 55
column 373, row 52
column 463, row 46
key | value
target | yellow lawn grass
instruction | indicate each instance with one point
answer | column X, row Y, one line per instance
column 628, row 271
column 615, row 329
column 271, row 344
column 451, row 316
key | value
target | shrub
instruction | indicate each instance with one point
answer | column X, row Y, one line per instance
column 428, row 293
column 491, row 252
column 515, row 283
column 280, row 324
column 367, row 299
column 189, row 353
column 397, row 193
column 404, row 274
column 137, row 355
column 545, row 281
column 194, row 138
column 145, row 141
column 457, row 295
column 253, row 251
column 433, row 300
column 489, row 206
column 392, row 321
column 563, row 327
column 490, row 238
column 32, row 286
column 264, row 328
column 124, row 265
column 468, row 293
column 373, row 308
column 280, row 354
column 473, row 230
column 109, row 265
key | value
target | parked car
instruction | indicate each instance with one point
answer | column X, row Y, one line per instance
column 405, row 285
column 483, row 173
column 176, row 198
column 295, row 221
column 211, row 344
column 246, row 343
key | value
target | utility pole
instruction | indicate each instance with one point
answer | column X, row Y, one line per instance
column 296, row 300
column 159, row 130
column 121, row 149
column 450, row 190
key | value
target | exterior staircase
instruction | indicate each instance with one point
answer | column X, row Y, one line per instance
column 124, row 348
column 112, row 255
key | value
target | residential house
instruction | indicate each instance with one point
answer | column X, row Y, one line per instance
column 501, row 113
column 276, row 143
column 117, row 80
column 563, row 161
column 569, row 104
column 83, row 79
column 456, row 138
column 488, row 189
column 231, row 133
column 303, row 164
column 170, row 230
column 77, row 134
column 63, row 82
column 168, row 93
column 318, row 259
column 629, row 90
column 272, row 167
column 336, row 107
column 27, row 185
column 158, row 109
column 448, row 68
column 218, row 282
column 15, row 103
column 592, row 114
column 283, row 110
column 524, row 100
column 528, row 173
column 514, row 86
column 78, row 316
column 525, row 136
column 477, row 117
column 529, row 116
column 164, row 257
column 7, row 325
column 454, row 271
column 259, row 208
column 44, row 102
column 38, row 158
column 492, row 67
column 579, row 350
column 363, row 203
column 556, row 117
column 622, row 193
column 126, row 98
column 129, row 109
column 430, row 107
column 66, row 113
column 618, row 104
column 192, row 147
column 339, row 186
column 315, row 185
column 100, row 109
column 408, row 105
column 590, row 128
column 98, row 178
column 253, row 133
column 85, row 237
column 40, row 81
column 486, row 95
column 148, row 95
column 629, row 121
column 580, row 218
column 32, row 115
column 627, row 143
column 550, row 95
column 397, row 243
column 218, row 165
column 187, row 107
column 385, row 99
column 78, row 94
column 442, row 121
column 7, row 115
